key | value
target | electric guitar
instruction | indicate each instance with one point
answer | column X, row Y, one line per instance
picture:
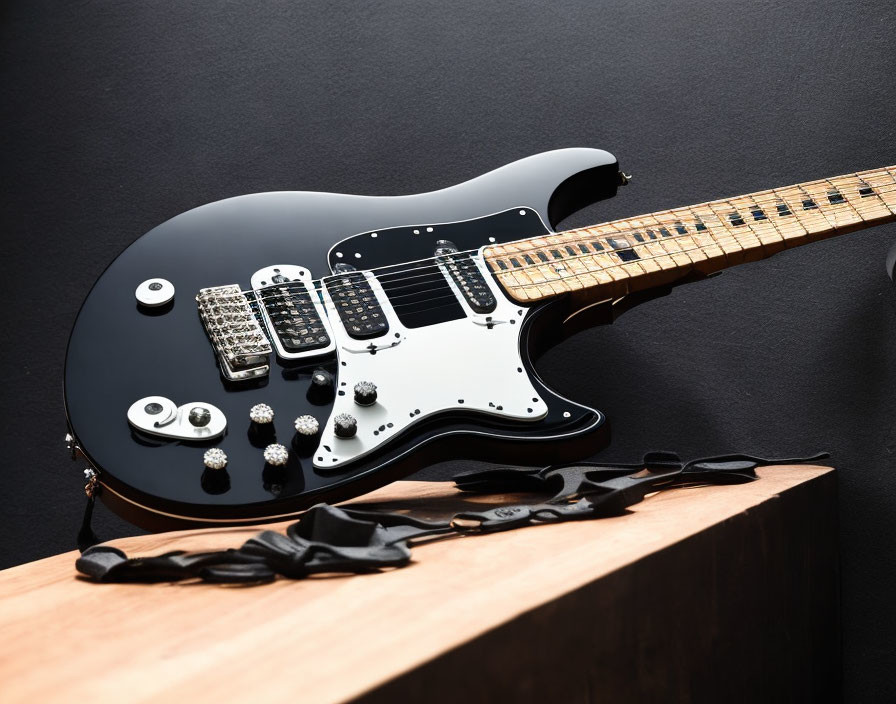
column 254, row 356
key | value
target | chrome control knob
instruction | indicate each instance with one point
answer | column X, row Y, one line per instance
column 276, row 455
column 307, row 426
column 365, row 393
column 345, row 426
column 215, row 458
column 261, row 413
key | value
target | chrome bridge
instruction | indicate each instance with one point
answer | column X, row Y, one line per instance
column 242, row 348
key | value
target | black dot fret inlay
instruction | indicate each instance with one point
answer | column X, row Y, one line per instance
column 528, row 259
column 571, row 251
column 757, row 213
column 598, row 247
column 556, row 254
column 627, row 255
column 866, row 191
column 664, row 232
column 783, row 209
column 836, row 197
column 584, row 248
column 700, row 226
column 515, row 262
column 542, row 256
column 735, row 219
column 501, row 264
column 809, row 204
column 638, row 236
column 680, row 229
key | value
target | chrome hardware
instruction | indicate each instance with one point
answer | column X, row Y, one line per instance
column 276, row 455
column 215, row 458
column 154, row 292
column 261, row 413
column 92, row 479
column 624, row 178
column 72, row 446
column 345, row 426
column 307, row 426
column 199, row 416
column 160, row 416
column 239, row 342
column 365, row 393
column 292, row 311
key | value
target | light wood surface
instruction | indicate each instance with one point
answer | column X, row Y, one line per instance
column 616, row 258
column 327, row 638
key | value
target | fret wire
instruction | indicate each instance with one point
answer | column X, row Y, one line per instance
column 578, row 236
column 802, row 232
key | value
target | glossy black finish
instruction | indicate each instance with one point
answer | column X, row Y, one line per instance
column 119, row 352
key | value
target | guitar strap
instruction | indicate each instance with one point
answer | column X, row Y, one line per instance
column 331, row 539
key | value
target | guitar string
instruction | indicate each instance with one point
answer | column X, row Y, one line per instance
column 791, row 227
column 785, row 229
column 701, row 218
column 453, row 299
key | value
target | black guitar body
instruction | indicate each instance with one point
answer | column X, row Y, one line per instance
column 121, row 351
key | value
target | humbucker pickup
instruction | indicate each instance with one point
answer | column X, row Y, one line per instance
column 357, row 306
column 293, row 318
column 239, row 342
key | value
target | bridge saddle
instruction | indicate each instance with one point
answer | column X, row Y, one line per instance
column 240, row 344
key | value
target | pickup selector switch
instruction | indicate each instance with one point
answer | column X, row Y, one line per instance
column 365, row 393
column 345, row 426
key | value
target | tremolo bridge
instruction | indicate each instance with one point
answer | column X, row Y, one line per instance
column 240, row 344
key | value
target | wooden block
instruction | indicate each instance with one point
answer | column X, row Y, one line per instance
column 696, row 594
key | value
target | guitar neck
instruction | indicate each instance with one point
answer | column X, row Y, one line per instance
column 616, row 258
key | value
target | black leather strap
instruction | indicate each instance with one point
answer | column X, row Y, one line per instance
column 329, row 539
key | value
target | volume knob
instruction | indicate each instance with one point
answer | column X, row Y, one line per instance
column 345, row 426
column 365, row 393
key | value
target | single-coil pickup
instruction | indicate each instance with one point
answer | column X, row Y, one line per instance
column 293, row 317
column 468, row 278
column 357, row 305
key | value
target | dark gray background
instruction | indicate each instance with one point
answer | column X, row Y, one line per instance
column 117, row 116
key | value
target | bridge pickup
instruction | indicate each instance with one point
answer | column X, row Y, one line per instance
column 294, row 320
column 357, row 306
column 239, row 342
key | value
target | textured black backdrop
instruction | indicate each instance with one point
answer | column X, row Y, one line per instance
column 117, row 116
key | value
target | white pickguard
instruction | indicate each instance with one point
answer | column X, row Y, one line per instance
column 462, row 365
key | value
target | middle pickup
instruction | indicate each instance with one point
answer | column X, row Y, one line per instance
column 357, row 305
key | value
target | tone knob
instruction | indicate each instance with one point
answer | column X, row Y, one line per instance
column 307, row 426
column 199, row 416
column 215, row 458
column 365, row 393
column 321, row 389
column 276, row 455
column 345, row 426
column 261, row 413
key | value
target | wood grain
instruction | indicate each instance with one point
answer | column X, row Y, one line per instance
column 707, row 238
column 336, row 638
